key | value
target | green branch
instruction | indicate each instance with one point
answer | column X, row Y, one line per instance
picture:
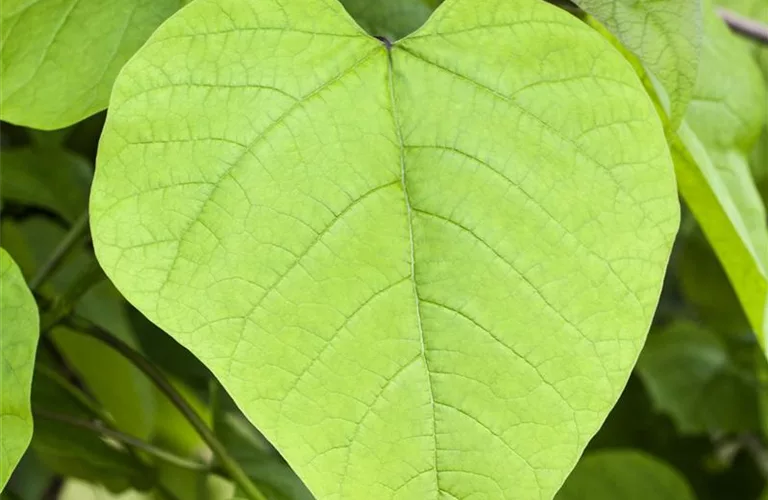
column 125, row 439
column 744, row 26
column 75, row 235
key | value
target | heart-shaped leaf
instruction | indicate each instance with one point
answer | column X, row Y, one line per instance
column 423, row 271
column 19, row 330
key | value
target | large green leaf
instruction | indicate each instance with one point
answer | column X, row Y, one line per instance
column 19, row 330
column 664, row 34
column 421, row 272
column 59, row 58
column 691, row 375
column 625, row 475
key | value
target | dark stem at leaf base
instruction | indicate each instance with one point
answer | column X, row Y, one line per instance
column 385, row 41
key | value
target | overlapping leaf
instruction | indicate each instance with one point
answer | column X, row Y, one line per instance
column 664, row 34
column 422, row 273
column 19, row 330
column 710, row 149
column 59, row 58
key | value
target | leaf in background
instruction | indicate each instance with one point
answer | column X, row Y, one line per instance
column 664, row 34
column 74, row 489
column 721, row 126
column 691, row 375
column 50, row 178
column 625, row 475
column 467, row 337
column 393, row 19
column 19, row 332
column 59, row 58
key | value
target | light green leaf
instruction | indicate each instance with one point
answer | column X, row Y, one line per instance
column 392, row 19
column 19, row 330
column 690, row 375
column 420, row 273
column 710, row 151
column 74, row 489
column 625, row 475
column 50, row 178
column 664, row 34
column 59, row 58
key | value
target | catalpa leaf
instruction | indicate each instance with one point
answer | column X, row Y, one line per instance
column 664, row 34
column 59, row 58
column 624, row 474
column 19, row 323
column 422, row 271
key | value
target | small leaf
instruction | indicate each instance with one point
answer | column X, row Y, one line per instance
column 691, row 375
column 664, row 34
column 59, row 58
column 50, row 178
column 19, row 330
column 625, row 475
column 420, row 272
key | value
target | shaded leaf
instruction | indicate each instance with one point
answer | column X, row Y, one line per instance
column 19, row 330
column 59, row 58
column 664, row 34
column 691, row 375
column 393, row 19
column 439, row 289
column 625, row 475
column 50, row 178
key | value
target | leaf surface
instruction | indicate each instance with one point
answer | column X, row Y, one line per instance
column 59, row 58
column 664, row 34
column 624, row 474
column 19, row 330
column 417, row 276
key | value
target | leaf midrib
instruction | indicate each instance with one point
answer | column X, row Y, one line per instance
column 409, row 216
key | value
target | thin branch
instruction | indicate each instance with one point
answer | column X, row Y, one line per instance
column 123, row 438
column 78, row 394
column 235, row 472
column 744, row 26
column 76, row 233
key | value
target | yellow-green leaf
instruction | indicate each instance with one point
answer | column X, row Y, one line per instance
column 19, row 330
column 421, row 272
